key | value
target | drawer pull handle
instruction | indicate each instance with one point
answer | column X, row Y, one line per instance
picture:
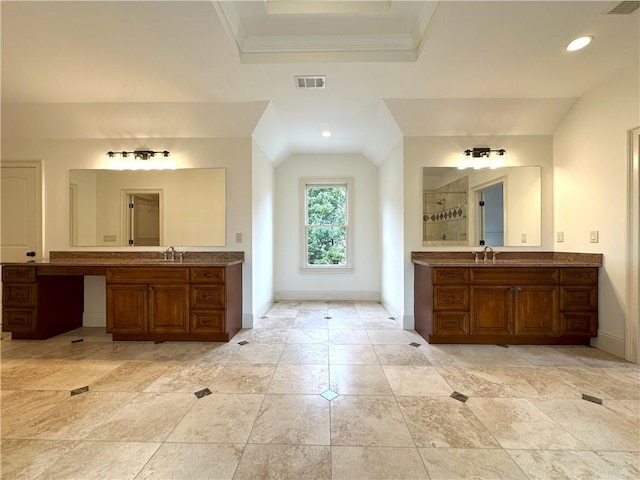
column 449, row 324
column 207, row 297
column 450, row 275
column 576, row 275
column 576, row 324
column 208, row 275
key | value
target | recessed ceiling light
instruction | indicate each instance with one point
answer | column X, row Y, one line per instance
column 579, row 43
column 326, row 133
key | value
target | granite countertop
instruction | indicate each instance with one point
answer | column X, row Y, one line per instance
column 106, row 259
column 508, row 259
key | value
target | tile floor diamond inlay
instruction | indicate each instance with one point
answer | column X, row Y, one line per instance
column 202, row 393
column 317, row 390
column 78, row 391
column 329, row 395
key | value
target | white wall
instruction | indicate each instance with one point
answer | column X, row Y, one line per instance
column 363, row 281
column 419, row 152
column 390, row 192
column 58, row 156
column 590, row 178
column 262, row 218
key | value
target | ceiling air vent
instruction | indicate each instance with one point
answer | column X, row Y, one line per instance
column 310, row 81
column 626, row 7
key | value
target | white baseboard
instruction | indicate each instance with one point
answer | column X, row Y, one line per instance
column 408, row 322
column 344, row 295
column 263, row 309
column 389, row 307
column 94, row 319
column 247, row 320
column 609, row 343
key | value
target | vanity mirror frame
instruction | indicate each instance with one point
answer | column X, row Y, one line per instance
column 522, row 205
column 192, row 211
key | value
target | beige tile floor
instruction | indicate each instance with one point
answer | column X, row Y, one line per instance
column 266, row 416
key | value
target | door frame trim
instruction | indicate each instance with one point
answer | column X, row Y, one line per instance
column 632, row 337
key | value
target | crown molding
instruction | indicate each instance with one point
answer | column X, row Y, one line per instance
column 400, row 47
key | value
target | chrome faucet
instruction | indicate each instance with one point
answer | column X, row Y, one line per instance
column 170, row 253
column 488, row 248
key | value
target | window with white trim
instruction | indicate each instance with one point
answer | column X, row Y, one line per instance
column 326, row 224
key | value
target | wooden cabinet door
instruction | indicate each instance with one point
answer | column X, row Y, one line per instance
column 169, row 309
column 536, row 310
column 126, row 308
column 491, row 310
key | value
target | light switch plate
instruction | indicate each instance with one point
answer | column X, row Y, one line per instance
column 594, row 236
column 238, row 237
column 523, row 238
column 560, row 237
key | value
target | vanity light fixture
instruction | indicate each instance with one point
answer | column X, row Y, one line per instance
column 325, row 134
column 483, row 157
column 142, row 160
column 139, row 154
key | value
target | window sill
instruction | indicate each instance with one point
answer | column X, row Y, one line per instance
column 326, row 269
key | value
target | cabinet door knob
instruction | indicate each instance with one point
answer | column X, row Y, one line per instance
column 31, row 254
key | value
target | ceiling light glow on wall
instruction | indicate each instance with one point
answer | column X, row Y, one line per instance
column 483, row 157
column 140, row 160
column 326, row 134
column 579, row 43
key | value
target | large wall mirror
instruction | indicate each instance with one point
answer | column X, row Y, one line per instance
column 119, row 208
column 501, row 207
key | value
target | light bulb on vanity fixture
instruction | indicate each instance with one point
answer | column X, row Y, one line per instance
column 142, row 160
column 483, row 157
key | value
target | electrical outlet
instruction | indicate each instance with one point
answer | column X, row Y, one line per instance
column 105, row 238
column 523, row 238
column 560, row 237
column 112, row 238
column 238, row 237
column 594, row 236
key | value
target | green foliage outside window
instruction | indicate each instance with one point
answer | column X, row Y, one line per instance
column 326, row 225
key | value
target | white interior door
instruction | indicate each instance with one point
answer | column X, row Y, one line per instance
column 21, row 211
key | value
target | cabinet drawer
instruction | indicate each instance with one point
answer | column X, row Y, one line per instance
column 20, row 295
column 211, row 321
column 579, row 323
column 206, row 275
column 450, row 275
column 147, row 275
column 451, row 323
column 207, row 296
column 18, row 274
column 514, row 276
column 578, row 298
column 579, row 276
column 450, row 297
column 19, row 320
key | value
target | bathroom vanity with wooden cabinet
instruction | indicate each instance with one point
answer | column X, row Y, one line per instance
column 523, row 298
column 147, row 298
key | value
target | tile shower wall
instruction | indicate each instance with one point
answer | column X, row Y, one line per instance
column 445, row 213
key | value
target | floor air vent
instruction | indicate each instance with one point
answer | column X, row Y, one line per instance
column 310, row 81
column 626, row 7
